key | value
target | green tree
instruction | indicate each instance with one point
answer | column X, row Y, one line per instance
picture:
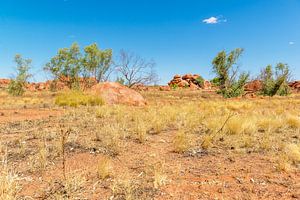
column 230, row 81
column 66, row 65
column 16, row 85
column 275, row 83
column 97, row 62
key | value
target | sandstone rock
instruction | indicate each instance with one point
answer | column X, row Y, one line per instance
column 193, row 86
column 188, row 77
column 4, row 83
column 253, row 86
column 295, row 86
column 177, row 76
column 115, row 93
column 164, row 88
column 140, row 87
column 196, row 76
column 183, row 83
column 207, row 85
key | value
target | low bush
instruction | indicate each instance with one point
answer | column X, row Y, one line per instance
column 16, row 86
column 77, row 98
column 200, row 81
column 275, row 83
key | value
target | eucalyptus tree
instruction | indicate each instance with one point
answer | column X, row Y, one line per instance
column 226, row 67
column 275, row 82
column 16, row 86
column 97, row 62
column 66, row 65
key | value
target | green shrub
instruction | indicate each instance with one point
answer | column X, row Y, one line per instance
column 174, row 86
column 215, row 82
column 77, row 98
column 230, row 81
column 236, row 89
column 16, row 88
column 17, row 85
column 275, row 83
column 200, row 81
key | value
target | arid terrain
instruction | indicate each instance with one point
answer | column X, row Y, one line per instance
column 182, row 145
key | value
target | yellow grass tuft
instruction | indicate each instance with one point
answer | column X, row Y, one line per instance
column 181, row 142
column 77, row 98
column 293, row 122
column 104, row 168
column 293, row 153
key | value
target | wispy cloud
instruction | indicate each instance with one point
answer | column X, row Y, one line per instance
column 214, row 20
column 291, row 43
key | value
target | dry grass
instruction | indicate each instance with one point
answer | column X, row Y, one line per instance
column 179, row 122
column 182, row 142
column 77, row 98
column 9, row 181
column 104, row 168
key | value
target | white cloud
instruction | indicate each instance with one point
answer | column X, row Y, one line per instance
column 291, row 43
column 211, row 20
column 214, row 20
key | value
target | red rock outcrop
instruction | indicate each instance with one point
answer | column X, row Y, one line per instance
column 115, row 93
column 164, row 88
column 295, row 86
column 253, row 86
column 140, row 87
column 189, row 81
column 4, row 83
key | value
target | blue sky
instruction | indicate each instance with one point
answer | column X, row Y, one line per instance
column 182, row 36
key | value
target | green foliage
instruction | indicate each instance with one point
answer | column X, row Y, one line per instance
column 97, row 62
column 237, row 87
column 200, row 81
column 275, row 83
column 77, row 98
column 226, row 69
column 174, row 86
column 16, row 86
column 215, row 81
column 66, row 65
column 69, row 64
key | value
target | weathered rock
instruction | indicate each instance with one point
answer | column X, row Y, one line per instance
column 196, row 76
column 183, row 83
column 140, row 87
column 207, row 85
column 188, row 77
column 193, row 86
column 190, row 81
column 115, row 93
column 4, row 83
column 295, row 86
column 253, row 86
column 177, row 76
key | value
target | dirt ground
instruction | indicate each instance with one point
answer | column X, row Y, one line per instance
column 140, row 170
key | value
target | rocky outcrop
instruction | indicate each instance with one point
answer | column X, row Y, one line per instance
column 253, row 86
column 189, row 81
column 140, row 87
column 295, row 86
column 4, row 83
column 164, row 88
column 115, row 93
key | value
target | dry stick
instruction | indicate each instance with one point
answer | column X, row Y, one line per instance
column 228, row 118
column 221, row 129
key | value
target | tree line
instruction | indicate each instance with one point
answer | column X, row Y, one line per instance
column 72, row 65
